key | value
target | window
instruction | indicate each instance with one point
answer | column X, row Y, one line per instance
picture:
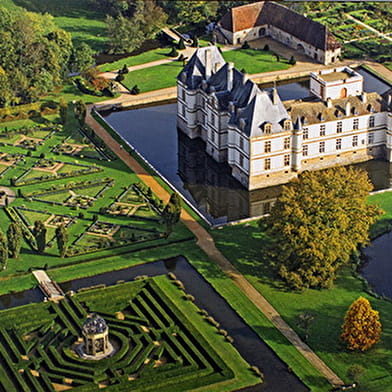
column 267, row 128
column 355, row 123
column 287, row 125
column 355, row 141
column 212, row 136
column 183, row 94
column 183, row 110
column 305, row 133
column 322, row 130
column 339, row 127
column 371, row 121
column 339, row 144
column 322, row 147
column 267, row 164
column 371, row 138
column 241, row 160
column 212, row 118
column 305, row 150
column 286, row 143
column 241, row 143
column 286, row 160
column 267, row 207
column 267, row 147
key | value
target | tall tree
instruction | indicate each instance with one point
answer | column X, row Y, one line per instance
column 81, row 58
column 3, row 250
column 14, row 235
column 39, row 232
column 62, row 239
column 190, row 11
column 171, row 213
column 317, row 222
column 80, row 111
column 362, row 327
column 63, row 110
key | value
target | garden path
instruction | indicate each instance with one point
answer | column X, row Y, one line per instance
column 206, row 243
column 379, row 33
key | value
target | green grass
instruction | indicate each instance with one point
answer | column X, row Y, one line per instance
column 388, row 65
column 154, row 78
column 243, row 246
column 255, row 61
column 146, row 57
column 384, row 201
column 84, row 22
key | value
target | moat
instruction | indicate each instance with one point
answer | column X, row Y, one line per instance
column 207, row 185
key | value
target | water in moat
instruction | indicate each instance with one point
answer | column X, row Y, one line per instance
column 277, row 376
column 206, row 184
column 378, row 267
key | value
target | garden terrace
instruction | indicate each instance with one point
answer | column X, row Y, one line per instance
column 157, row 333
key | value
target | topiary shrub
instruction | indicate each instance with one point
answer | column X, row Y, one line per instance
column 173, row 52
column 135, row 90
column 120, row 77
column 266, row 47
column 181, row 44
column 292, row 60
column 245, row 45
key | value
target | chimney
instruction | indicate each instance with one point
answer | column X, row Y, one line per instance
column 348, row 109
column 364, row 97
column 329, row 103
column 230, row 76
column 275, row 96
column 208, row 62
column 204, row 85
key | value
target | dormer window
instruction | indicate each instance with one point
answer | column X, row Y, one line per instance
column 267, row 128
column 287, row 125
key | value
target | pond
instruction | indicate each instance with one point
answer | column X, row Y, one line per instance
column 378, row 268
column 20, row 298
column 206, row 184
column 246, row 341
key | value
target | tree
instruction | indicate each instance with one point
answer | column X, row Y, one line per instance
column 62, row 239
column 190, row 12
column 39, row 232
column 3, row 250
column 14, row 235
column 181, row 44
column 356, row 372
column 80, row 111
column 63, row 111
column 304, row 322
column 361, row 328
column 81, row 58
column 171, row 213
column 317, row 223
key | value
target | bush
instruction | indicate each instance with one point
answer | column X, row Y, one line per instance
column 292, row 60
column 266, row 47
column 124, row 69
column 135, row 90
column 173, row 52
column 195, row 42
column 245, row 45
column 181, row 44
column 120, row 77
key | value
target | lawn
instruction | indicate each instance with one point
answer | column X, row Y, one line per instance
column 255, row 61
column 146, row 57
column 84, row 22
column 243, row 244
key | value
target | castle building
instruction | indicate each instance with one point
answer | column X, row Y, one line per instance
column 269, row 19
column 266, row 141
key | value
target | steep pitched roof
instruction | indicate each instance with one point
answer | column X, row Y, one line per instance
column 270, row 13
column 195, row 69
column 261, row 110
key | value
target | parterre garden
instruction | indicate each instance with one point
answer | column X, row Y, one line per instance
column 162, row 342
column 66, row 175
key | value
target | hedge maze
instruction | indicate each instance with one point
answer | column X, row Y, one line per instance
column 156, row 346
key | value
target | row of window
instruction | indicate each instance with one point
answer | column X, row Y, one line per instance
column 339, row 127
column 267, row 162
column 338, row 144
column 286, row 145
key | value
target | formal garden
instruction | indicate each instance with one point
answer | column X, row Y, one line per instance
column 156, row 331
column 65, row 175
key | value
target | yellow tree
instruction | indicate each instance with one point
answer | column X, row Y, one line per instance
column 362, row 327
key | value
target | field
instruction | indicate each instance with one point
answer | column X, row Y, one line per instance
column 157, row 333
column 67, row 175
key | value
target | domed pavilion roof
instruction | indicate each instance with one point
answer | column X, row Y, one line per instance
column 94, row 324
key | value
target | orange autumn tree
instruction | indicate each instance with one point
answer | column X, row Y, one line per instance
column 362, row 327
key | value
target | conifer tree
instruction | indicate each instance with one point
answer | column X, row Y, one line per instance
column 39, row 232
column 63, row 111
column 80, row 111
column 14, row 235
column 362, row 327
column 3, row 250
column 62, row 239
column 171, row 213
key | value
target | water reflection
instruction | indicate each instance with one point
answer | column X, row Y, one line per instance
column 206, row 184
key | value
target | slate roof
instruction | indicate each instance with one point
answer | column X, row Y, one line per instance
column 261, row 110
column 318, row 112
column 196, row 68
column 270, row 13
